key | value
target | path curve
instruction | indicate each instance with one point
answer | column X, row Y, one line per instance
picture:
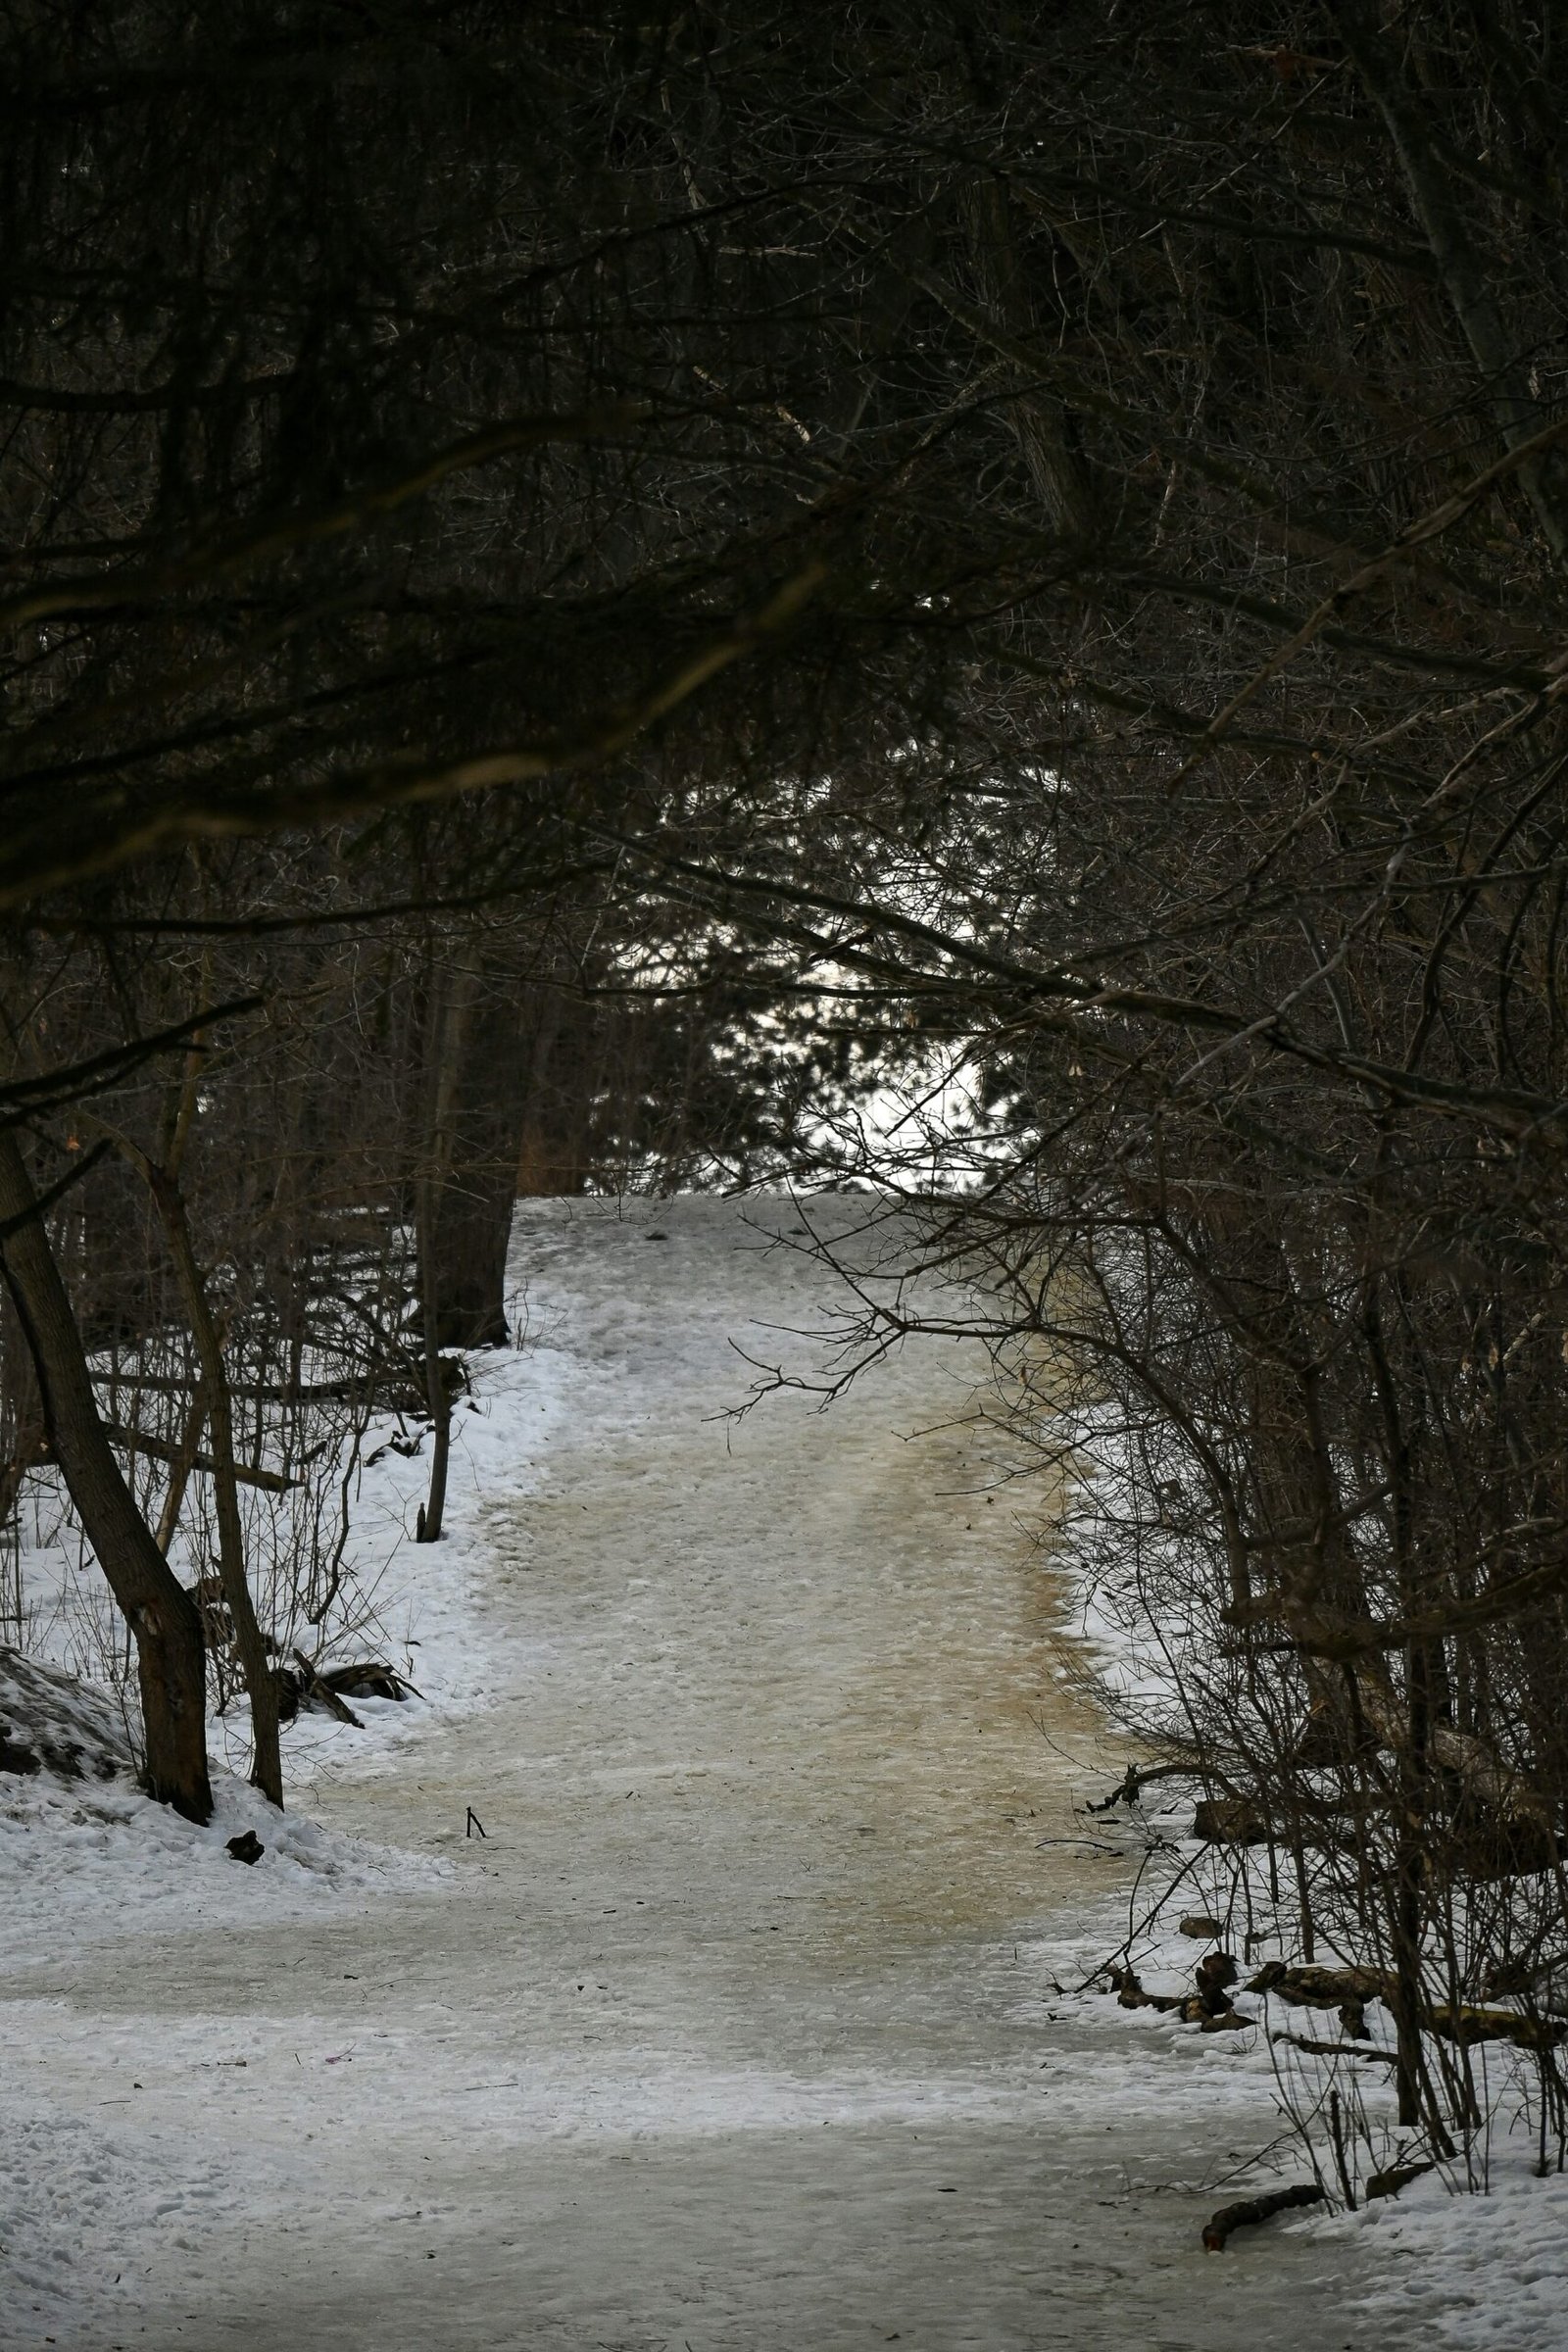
column 737, row 2031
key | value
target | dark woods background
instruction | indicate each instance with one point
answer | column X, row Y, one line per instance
column 585, row 588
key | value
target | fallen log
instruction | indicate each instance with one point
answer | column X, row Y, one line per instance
column 1321, row 1988
column 163, row 1449
column 1209, row 2008
column 1346, row 1990
column 1338, row 2049
column 1398, row 2177
column 1127, row 1986
column 1248, row 2210
column 309, row 1689
column 1468, row 2025
column 369, row 1678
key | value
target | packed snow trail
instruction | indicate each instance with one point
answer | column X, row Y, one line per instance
column 736, row 2030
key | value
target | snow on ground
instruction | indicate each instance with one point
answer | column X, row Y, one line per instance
column 1495, row 2264
column 111, row 1855
column 1497, row 2261
column 1500, row 2262
column 86, row 1856
column 752, row 2023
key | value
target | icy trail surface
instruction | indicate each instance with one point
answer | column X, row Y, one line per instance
column 737, row 2031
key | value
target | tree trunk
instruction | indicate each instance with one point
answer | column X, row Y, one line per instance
column 438, row 1394
column 163, row 1618
column 453, row 991
column 179, row 1470
column 470, row 1151
column 472, row 1228
column 261, row 1683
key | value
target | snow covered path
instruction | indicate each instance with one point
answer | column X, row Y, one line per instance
column 737, row 2031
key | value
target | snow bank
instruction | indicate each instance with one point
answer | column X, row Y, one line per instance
column 85, row 1854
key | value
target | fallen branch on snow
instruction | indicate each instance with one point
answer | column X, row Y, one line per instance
column 1247, row 2210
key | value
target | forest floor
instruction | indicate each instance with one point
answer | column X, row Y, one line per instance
column 739, row 2027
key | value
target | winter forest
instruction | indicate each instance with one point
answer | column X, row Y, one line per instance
column 784, row 1175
